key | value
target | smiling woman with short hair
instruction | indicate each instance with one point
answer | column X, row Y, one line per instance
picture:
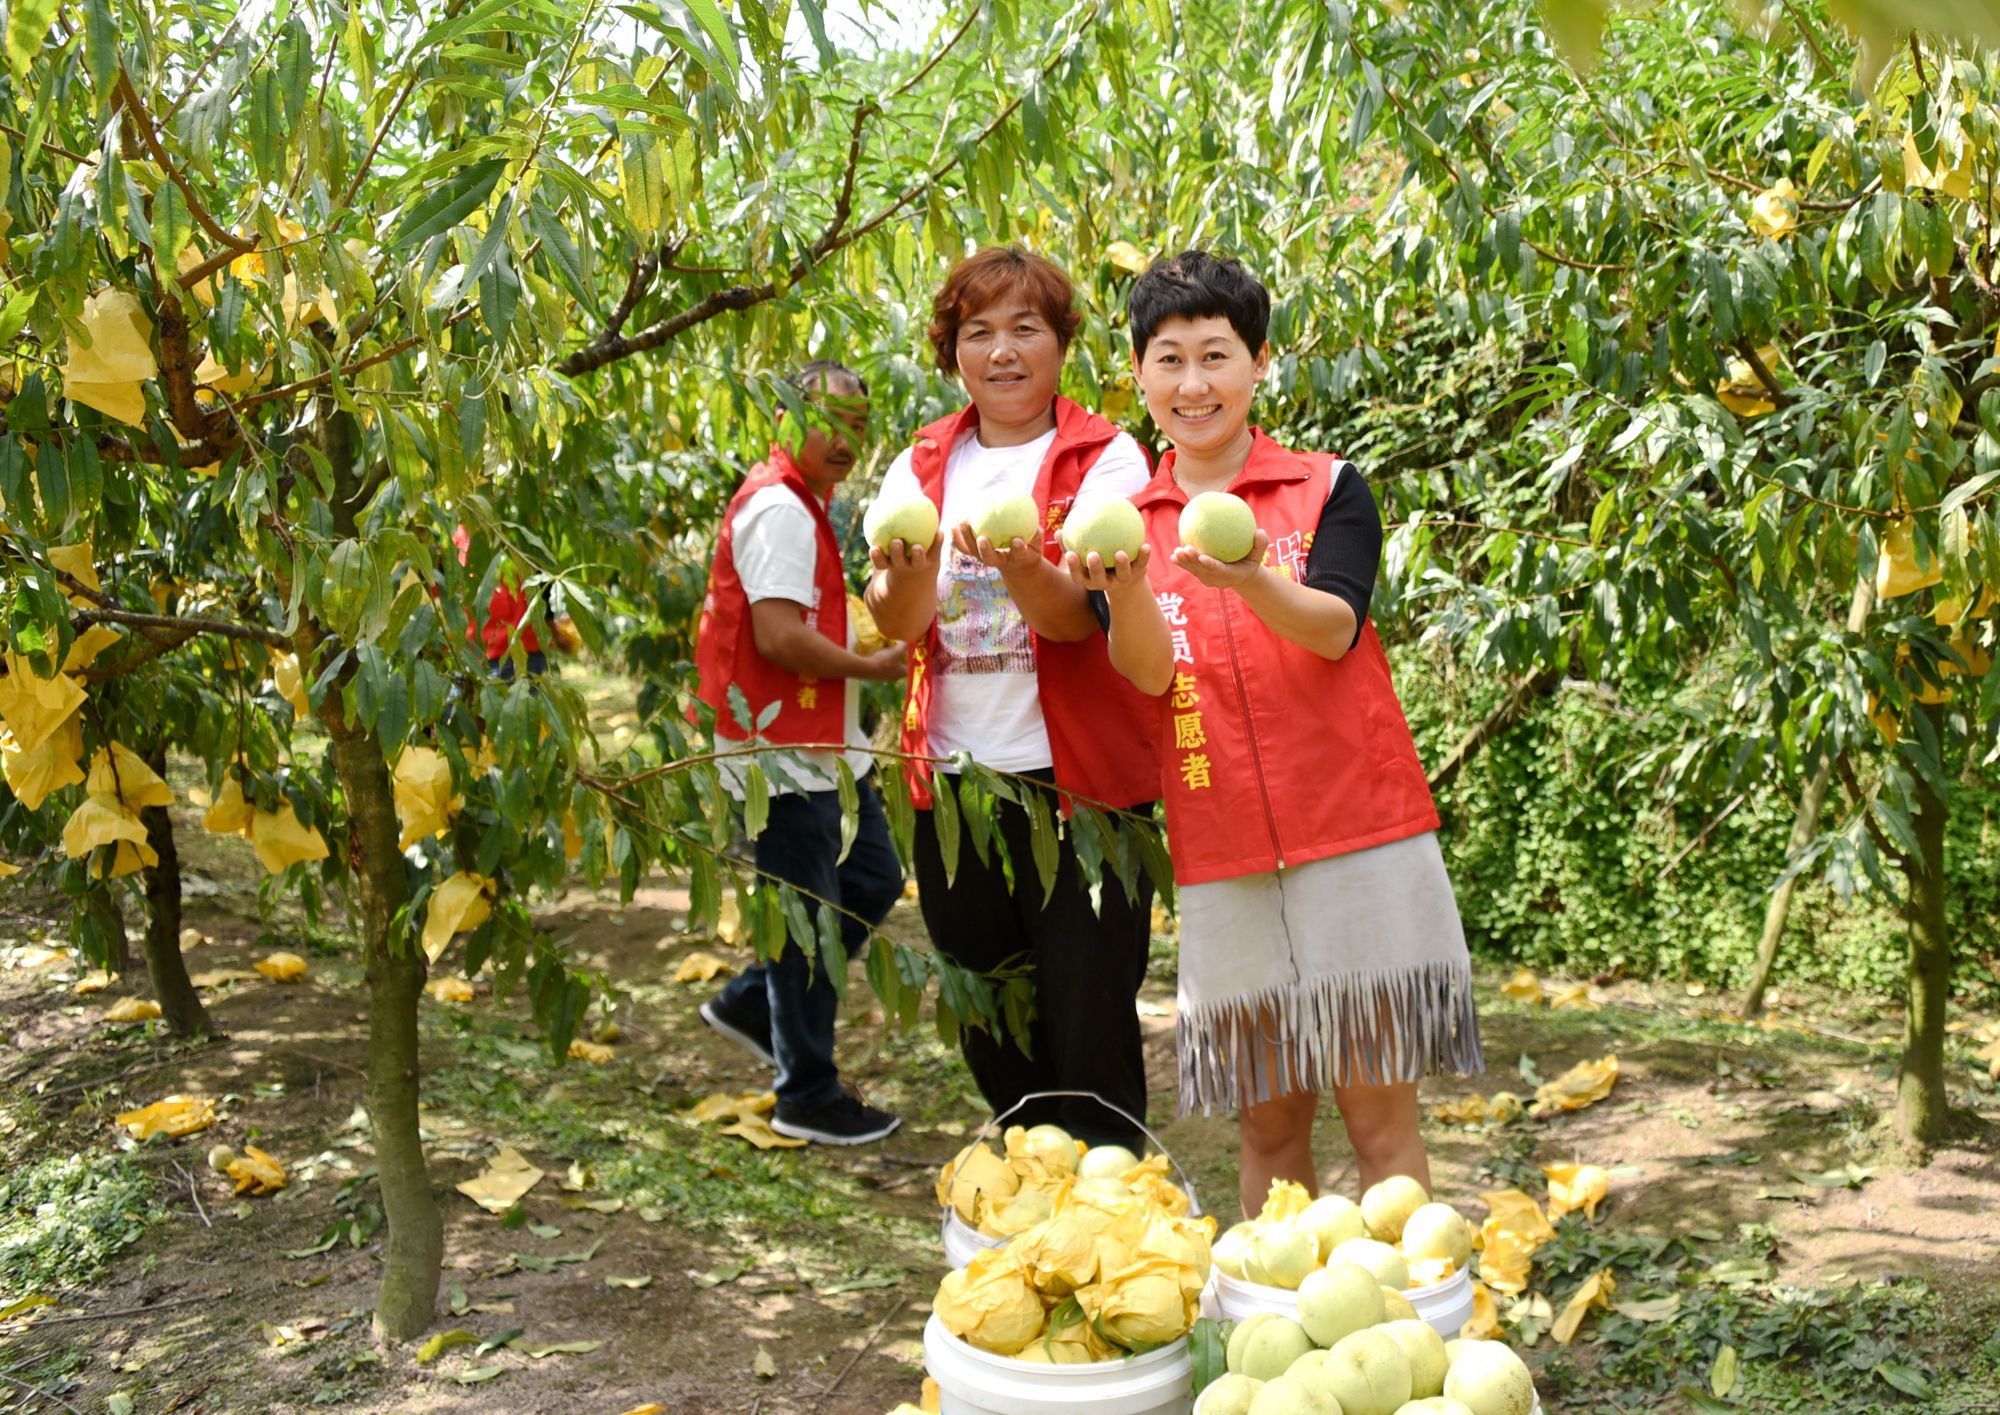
column 1008, row 665
column 1321, row 947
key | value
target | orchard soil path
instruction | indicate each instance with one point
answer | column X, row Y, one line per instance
column 813, row 1265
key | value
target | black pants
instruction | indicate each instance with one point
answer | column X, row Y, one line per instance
column 1088, row 964
column 799, row 845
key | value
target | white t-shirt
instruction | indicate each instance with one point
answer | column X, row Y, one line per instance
column 984, row 696
column 777, row 555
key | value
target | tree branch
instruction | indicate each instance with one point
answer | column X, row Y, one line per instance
column 156, row 645
column 177, row 363
column 1826, row 66
column 218, row 442
column 1538, row 684
column 604, row 350
column 641, row 280
column 611, row 345
column 1864, row 802
column 57, row 148
column 965, row 26
column 272, row 395
column 1748, row 351
column 151, row 138
column 389, row 119
column 1572, row 262
column 226, row 628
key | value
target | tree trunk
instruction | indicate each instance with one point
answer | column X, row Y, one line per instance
column 1922, row 1109
column 180, row 1004
column 100, row 906
column 1803, row 830
column 407, row 1297
column 406, row 1300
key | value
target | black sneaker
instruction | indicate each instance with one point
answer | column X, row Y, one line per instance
column 846, row 1121
column 743, row 1033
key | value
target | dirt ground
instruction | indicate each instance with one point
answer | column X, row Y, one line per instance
column 789, row 1282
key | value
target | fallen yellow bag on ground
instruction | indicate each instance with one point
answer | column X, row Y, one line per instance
column 173, row 1117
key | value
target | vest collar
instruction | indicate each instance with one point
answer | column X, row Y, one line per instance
column 1076, row 426
column 1267, row 463
column 786, row 470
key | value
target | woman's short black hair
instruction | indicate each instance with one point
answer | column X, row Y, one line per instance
column 1194, row 285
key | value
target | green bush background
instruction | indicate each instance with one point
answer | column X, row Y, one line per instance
column 1560, row 861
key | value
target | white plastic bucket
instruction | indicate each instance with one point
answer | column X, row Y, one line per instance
column 975, row 1382
column 963, row 1242
column 1446, row 1306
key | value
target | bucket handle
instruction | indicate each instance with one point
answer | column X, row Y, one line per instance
column 1118, row 1110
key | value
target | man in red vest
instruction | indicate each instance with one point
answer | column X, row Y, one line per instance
column 774, row 629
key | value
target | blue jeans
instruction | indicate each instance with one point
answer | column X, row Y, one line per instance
column 799, row 845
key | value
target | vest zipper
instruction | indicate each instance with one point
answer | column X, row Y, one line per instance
column 1250, row 734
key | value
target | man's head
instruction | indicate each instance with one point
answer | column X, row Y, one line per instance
column 823, row 444
column 1198, row 346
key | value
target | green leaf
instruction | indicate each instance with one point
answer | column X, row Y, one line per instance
column 1722, row 1375
column 718, row 28
column 562, row 252
column 496, row 233
column 944, row 820
column 1907, row 1379
column 267, row 124
column 28, row 23
column 173, row 227
column 1042, row 842
column 446, row 206
column 850, row 805
column 1206, row 1346
column 478, row 1375
column 52, row 482
column 815, row 19
column 562, row 1348
column 1958, row 496
column 442, row 1342
column 642, row 180
column 100, row 46
column 756, row 801
column 15, row 314
column 494, row 1343
column 1706, row 1404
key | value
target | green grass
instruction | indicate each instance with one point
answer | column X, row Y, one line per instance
column 64, row 1218
column 1856, row 1346
column 636, row 1136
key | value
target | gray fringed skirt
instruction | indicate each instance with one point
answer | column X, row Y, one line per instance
column 1350, row 970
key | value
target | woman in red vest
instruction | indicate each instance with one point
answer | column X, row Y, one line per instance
column 1321, row 947
column 1008, row 665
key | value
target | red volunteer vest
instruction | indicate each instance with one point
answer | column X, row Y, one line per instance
column 726, row 642
column 1100, row 726
column 504, row 611
column 1272, row 755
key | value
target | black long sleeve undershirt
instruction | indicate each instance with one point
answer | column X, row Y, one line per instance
column 1346, row 551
